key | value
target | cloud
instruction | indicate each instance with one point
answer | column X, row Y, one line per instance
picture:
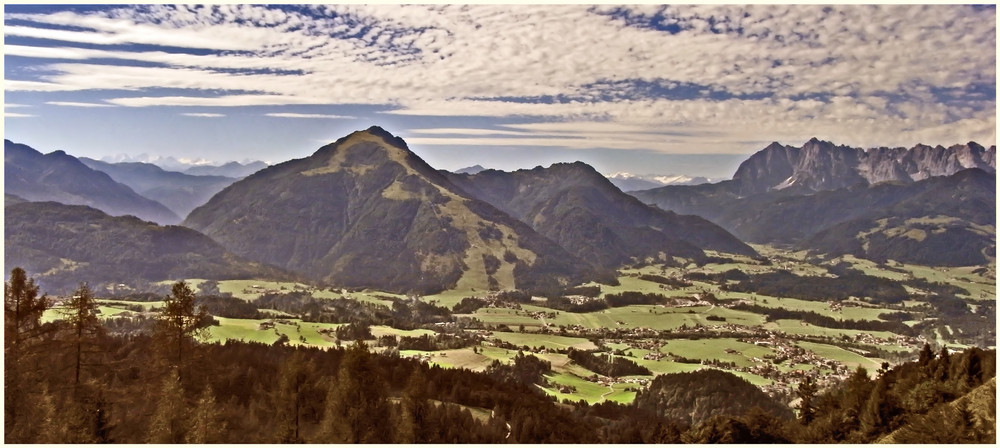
column 701, row 75
column 74, row 104
column 297, row 115
column 16, row 115
column 202, row 114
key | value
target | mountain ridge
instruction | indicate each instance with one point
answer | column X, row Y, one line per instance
column 60, row 177
column 365, row 211
column 180, row 192
column 583, row 211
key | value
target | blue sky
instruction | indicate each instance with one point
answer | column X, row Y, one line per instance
column 644, row 89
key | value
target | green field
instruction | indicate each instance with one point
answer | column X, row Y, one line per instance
column 841, row 355
column 716, row 349
column 549, row 341
column 795, row 326
column 845, row 313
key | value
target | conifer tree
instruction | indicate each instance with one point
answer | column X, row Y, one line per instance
column 168, row 423
column 294, row 388
column 23, row 329
column 207, row 425
column 180, row 321
column 80, row 315
column 358, row 408
column 807, row 392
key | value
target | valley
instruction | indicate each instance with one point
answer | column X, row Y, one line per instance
column 547, row 286
column 699, row 322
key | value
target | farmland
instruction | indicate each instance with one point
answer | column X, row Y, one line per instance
column 695, row 319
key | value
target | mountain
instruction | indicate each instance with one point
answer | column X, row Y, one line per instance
column 633, row 182
column 67, row 244
column 365, row 211
column 578, row 208
column 60, row 177
column 942, row 220
column 820, row 165
column 231, row 169
column 178, row 191
column 471, row 169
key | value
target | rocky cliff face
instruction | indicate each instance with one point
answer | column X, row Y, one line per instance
column 820, row 165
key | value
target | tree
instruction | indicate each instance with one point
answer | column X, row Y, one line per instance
column 169, row 419
column 207, row 425
column 357, row 404
column 80, row 315
column 22, row 312
column 807, row 392
column 180, row 322
column 295, row 379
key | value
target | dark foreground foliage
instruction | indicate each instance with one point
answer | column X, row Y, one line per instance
column 77, row 381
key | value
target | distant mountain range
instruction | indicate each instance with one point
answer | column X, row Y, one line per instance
column 199, row 167
column 178, row 191
column 366, row 212
column 923, row 205
column 634, row 182
column 60, row 177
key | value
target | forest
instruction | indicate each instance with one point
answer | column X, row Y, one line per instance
column 73, row 380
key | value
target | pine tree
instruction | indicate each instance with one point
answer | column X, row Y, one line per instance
column 294, row 380
column 358, row 409
column 180, row 321
column 207, row 425
column 169, row 420
column 807, row 392
column 80, row 315
column 23, row 330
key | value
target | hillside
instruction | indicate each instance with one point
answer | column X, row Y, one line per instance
column 60, row 177
column 693, row 397
column 178, row 191
column 67, row 244
column 578, row 208
column 365, row 211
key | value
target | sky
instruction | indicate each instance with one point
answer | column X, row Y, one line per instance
column 646, row 89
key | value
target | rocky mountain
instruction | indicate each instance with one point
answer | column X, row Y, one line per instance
column 820, row 165
column 66, row 244
column 633, row 182
column 231, row 169
column 578, row 208
column 60, row 177
column 178, row 191
column 365, row 211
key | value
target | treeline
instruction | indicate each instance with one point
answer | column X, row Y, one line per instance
column 72, row 381
column 912, row 402
column 613, row 366
column 785, row 284
column 817, row 319
column 404, row 314
column 675, row 282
